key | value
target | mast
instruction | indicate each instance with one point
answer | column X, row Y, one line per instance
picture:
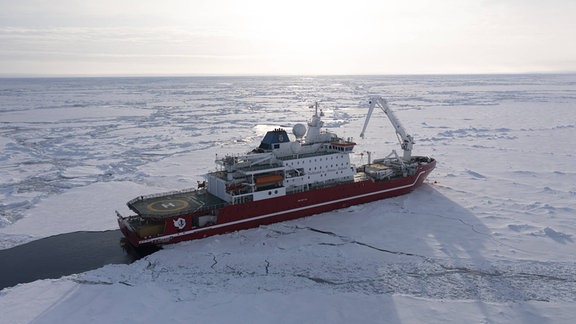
column 314, row 125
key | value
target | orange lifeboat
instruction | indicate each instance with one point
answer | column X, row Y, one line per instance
column 268, row 179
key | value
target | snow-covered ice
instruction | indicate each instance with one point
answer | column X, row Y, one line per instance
column 490, row 238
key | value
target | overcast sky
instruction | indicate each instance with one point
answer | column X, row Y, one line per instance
column 230, row 37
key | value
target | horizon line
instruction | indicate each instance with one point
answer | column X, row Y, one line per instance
column 192, row 75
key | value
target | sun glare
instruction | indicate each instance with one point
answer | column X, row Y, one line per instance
column 303, row 35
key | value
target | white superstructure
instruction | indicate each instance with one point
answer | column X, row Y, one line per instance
column 279, row 166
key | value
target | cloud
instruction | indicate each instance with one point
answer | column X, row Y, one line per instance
column 113, row 41
column 258, row 36
column 120, row 50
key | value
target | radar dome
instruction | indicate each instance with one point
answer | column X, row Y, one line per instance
column 299, row 130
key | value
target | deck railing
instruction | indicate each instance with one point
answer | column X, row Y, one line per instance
column 161, row 194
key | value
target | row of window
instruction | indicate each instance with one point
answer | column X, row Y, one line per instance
column 321, row 175
column 316, row 160
column 331, row 165
column 340, row 148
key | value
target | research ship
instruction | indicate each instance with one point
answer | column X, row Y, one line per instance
column 280, row 180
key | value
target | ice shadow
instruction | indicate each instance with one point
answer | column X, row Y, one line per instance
column 454, row 243
column 559, row 237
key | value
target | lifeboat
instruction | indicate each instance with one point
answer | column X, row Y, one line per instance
column 268, row 179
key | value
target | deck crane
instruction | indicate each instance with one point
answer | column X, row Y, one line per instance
column 405, row 139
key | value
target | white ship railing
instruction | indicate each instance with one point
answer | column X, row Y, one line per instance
column 161, row 194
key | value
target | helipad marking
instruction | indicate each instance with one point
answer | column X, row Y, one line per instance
column 166, row 206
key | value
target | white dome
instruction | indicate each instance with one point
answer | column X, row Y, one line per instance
column 299, row 130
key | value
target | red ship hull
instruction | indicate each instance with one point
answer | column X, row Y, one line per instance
column 253, row 214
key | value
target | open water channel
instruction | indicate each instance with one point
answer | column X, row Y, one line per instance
column 65, row 254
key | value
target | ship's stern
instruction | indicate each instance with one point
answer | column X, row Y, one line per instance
column 127, row 230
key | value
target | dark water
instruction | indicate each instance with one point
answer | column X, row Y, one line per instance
column 65, row 254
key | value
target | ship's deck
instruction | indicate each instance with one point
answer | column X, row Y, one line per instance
column 174, row 204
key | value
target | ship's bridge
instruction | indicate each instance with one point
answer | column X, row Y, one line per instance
column 273, row 139
column 342, row 145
